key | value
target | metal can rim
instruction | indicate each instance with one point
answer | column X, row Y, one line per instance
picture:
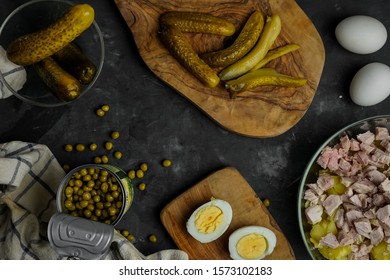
column 68, row 176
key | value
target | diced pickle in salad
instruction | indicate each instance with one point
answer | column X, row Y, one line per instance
column 348, row 206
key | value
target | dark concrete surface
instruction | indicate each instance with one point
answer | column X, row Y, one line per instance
column 156, row 123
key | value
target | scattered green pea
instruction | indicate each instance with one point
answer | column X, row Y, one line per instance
column 66, row 167
column 80, row 147
column 142, row 186
column 130, row 237
column 68, row 148
column 152, row 238
column 131, row 174
column 108, row 145
column 266, row 202
column 93, row 146
column 118, row 155
column 97, row 160
column 105, row 108
column 115, row 135
column 144, row 167
column 166, row 163
column 139, row 173
column 105, row 159
column 100, row 112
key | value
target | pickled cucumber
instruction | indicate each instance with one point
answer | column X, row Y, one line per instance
column 197, row 22
column 180, row 48
column 73, row 60
column 245, row 41
column 275, row 53
column 33, row 47
column 62, row 84
column 267, row 38
column 262, row 77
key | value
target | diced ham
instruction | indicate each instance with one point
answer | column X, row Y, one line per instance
column 325, row 181
column 381, row 133
column 347, row 237
column 331, row 203
column 384, row 186
column 380, row 157
column 355, row 200
column 367, row 137
column 339, row 218
column 363, row 186
column 363, row 227
column 378, row 199
column 383, row 212
column 314, row 213
column 347, row 181
column 311, row 196
column 315, row 188
column 386, row 145
column 377, row 235
column 353, row 215
column 329, row 240
column 375, row 176
column 355, row 145
column 367, row 148
column 345, row 143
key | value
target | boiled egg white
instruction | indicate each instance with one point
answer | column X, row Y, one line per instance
column 210, row 220
column 361, row 34
column 371, row 84
column 251, row 243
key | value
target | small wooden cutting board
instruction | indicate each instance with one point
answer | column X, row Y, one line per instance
column 226, row 184
column 261, row 112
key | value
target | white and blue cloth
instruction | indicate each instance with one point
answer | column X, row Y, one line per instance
column 14, row 75
column 29, row 177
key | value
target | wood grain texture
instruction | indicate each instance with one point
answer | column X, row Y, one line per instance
column 229, row 185
column 262, row 112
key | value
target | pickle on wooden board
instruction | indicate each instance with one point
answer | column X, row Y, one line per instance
column 33, row 47
column 262, row 77
column 73, row 60
column 268, row 36
column 275, row 53
column 196, row 22
column 180, row 48
column 245, row 41
column 62, row 84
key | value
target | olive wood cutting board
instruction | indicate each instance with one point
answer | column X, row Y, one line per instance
column 226, row 184
column 261, row 112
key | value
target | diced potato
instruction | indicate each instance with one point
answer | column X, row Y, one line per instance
column 322, row 228
column 380, row 252
column 338, row 188
column 340, row 253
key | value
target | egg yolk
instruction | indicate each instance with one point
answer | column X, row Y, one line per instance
column 208, row 219
column 251, row 246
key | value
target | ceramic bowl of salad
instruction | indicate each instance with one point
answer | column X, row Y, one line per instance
column 344, row 194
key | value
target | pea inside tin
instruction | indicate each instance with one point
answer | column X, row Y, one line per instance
column 101, row 193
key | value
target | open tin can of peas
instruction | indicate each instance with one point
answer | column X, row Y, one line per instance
column 100, row 192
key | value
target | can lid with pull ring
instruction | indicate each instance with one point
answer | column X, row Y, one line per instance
column 79, row 238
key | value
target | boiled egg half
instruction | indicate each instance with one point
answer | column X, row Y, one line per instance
column 251, row 243
column 210, row 220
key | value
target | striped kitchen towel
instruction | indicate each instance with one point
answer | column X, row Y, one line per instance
column 14, row 75
column 29, row 177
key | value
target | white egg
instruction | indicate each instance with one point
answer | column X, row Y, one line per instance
column 361, row 34
column 210, row 220
column 371, row 84
column 251, row 243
